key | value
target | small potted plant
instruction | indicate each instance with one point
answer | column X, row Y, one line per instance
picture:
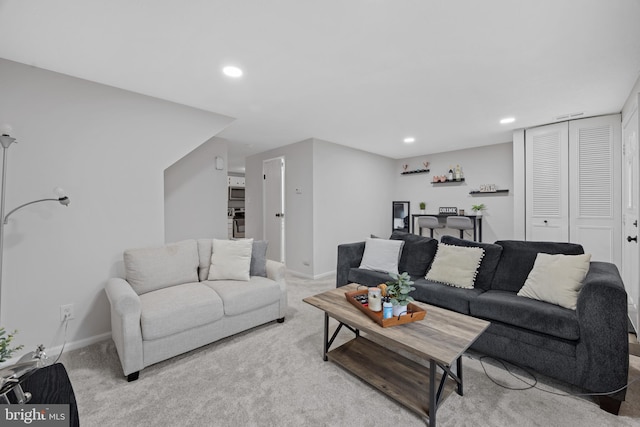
column 398, row 290
column 5, row 349
column 478, row 209
column 423, row 206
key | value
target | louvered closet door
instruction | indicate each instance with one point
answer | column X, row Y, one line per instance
column 547, row 198
column 595, row 159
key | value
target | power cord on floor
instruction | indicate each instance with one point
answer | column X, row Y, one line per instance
column 534, row 380
column 64, row 342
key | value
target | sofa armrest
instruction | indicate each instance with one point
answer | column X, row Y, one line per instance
column 125, row 324
column 276, row 271
column 603, row 350
column 349, row 256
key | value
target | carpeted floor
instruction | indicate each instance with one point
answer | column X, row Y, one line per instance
column 274, row 375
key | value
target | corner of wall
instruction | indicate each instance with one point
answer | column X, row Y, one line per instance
column 519, row 199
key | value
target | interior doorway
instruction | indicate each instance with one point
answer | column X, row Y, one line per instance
column 273, row 210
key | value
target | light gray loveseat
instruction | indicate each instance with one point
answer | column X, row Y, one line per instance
column 165, row 305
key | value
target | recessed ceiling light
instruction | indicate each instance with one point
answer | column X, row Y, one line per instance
column 409, row 140
column 507, row 120
column 232, row 71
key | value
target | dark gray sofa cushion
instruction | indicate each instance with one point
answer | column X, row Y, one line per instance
column 492, row 253
column 445, row 296
column 417, row 253
column 367, row 277
column 539, row 316
column 518, row 258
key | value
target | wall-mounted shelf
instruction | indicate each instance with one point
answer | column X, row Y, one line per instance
column 415, row 171
column 475, row 193
column 452, row 181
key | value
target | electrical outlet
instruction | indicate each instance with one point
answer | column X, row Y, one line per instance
column 66, row 312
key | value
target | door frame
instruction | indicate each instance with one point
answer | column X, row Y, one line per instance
column 283, row 251
column 633, row 305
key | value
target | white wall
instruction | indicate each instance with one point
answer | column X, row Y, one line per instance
column 352, row 198
column 195, row 194
column 631, row 101
column 491, row 164
column 298, row 207
column 108, row 148
column 519, row 185
column 344, row 196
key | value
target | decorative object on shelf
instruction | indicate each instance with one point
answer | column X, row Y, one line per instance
column 450, row 176
column 404, row 167
column 426, row 164
column 475, row 192
column 6, row 140
column 488, row 188
column 406, row 172
column 478, row 209
column 398, row 290
column 448, row 211
column 458, row 173
column 444, row 179
column 461, row 212
column 423, row 206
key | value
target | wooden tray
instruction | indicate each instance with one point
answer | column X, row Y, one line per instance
column 414, row 313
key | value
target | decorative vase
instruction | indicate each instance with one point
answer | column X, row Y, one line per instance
column 422, row 211
column 399, row 310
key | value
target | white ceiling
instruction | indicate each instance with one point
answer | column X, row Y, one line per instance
column 362, row 73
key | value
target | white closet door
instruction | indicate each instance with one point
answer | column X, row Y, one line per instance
column 595, row 157
column 547, row 195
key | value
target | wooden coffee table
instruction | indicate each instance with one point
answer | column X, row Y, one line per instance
column 438, row 341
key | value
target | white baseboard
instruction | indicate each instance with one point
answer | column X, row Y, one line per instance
column 311, row 277
column 323, row 275
column 52, row 352
column 299, row 274
column 74, row 345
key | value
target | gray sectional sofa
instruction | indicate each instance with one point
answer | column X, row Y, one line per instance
column 586, row 347
column 165, row 305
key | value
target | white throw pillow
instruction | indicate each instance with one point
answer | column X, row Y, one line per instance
column 230, row 260
column 382, row 255
column 557, row 279
column 456, row 265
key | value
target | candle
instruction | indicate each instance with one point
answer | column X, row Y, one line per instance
column 375, row 299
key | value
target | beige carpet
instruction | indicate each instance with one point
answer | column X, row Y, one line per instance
column 274, row 376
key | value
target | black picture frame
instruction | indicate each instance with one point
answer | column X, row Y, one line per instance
column 400, row 216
